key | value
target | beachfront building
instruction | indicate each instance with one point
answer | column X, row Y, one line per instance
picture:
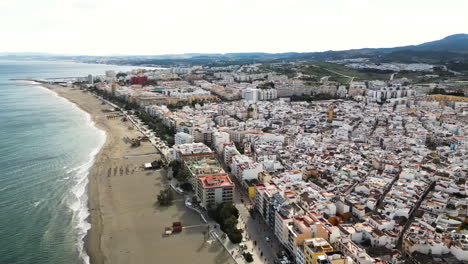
column 209, row 180
column 214, row 189
column 191, row 151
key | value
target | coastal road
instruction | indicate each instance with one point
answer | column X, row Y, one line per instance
column 155, row 141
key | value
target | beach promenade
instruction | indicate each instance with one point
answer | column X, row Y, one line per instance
column 127, row 224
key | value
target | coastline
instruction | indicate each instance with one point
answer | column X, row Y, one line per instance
column 92, row 240
column 126, row 224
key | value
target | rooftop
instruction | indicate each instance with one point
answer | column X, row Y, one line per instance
column 215, row 181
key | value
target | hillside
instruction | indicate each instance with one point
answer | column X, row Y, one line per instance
column 454, row 43
column 449, row 50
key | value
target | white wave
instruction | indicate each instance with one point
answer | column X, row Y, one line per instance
column 72, row 170
column 64, row 179
column 35, row 204
column 78, row 202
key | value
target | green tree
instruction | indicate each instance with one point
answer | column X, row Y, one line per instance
column 226, row 215
column 430, row 143
column 248, row 257
column 121, row 74
column 230, row 224
column 186, row 186
column 236, row 236
column 178, row 171
column 182, row 175
column 227, row 210
column 451, row 206
column 165, row 197
column 175, row 166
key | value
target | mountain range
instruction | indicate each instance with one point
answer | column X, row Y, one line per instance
column 449, row 50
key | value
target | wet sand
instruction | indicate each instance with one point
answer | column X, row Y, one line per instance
column 127, row 224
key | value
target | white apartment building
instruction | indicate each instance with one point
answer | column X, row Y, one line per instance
column 183, row 138
column 214, row 189
column 229, row 152
column 219, row 140
column 244, row 168
column 250, row 95
column 267, row 94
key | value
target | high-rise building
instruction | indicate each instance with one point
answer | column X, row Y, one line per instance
column 210, row 182
column 250, row 95
column 267, row 94
column 214, row 189
column 90, row 79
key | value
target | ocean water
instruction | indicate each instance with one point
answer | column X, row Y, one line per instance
column 47, row 145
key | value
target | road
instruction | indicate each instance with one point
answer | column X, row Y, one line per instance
column 256, row 229
column 155, row 141
column 379, row 203
column 351, row 78
column 413, row 214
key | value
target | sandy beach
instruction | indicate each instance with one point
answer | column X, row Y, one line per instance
column 127, row 224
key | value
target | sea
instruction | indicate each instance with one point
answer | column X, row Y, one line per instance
column 47, row 146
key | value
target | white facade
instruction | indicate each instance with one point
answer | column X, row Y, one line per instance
column 183, row 138
column 244, row 168
column 293, row 176
column 250, row 95
column 219, row 140
column 214, row 190
column 229, row 152
column 267, row 94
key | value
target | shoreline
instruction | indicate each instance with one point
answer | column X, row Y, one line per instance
column 92, row 239
column 126, row 223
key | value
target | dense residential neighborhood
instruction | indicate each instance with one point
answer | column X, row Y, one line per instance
column 339, row 170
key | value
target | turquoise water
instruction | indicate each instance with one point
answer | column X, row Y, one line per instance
column 47, row 145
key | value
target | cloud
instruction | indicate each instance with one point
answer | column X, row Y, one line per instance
column 102, row 27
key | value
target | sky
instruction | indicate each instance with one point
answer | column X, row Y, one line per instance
column 153, row 27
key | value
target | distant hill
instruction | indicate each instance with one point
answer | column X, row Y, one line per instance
column 457, row 43
column 449, row 50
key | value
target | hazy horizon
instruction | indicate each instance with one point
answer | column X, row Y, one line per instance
column 120, row 28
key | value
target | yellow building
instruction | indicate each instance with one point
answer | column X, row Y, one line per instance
column 330, row 113
column 251, row 191
column 334, row 257
column 314, row 248
column 298, row 231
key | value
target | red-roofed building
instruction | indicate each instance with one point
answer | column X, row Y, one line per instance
column 138, row 80
column 214, row 189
